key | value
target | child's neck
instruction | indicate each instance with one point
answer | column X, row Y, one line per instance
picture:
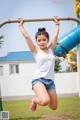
column 45, row 50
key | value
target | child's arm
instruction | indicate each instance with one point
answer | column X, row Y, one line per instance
column 56, row 32
column 27, row 37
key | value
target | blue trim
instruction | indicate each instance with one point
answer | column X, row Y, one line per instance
column 17, row 56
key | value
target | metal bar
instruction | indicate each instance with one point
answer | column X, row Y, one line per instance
column 38, row 20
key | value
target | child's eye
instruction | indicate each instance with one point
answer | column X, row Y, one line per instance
column 44, row 39
column 39, row 40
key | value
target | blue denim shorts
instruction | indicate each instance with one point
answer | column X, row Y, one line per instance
column 49, row 84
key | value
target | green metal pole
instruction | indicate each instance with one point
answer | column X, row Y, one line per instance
column 0, row 100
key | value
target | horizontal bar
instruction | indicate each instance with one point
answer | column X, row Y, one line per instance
column 38, row 20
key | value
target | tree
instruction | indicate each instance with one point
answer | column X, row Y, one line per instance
column 1, row 42
column 75, row 59
column 68, row 69
column 57, row 65
column 75, row 55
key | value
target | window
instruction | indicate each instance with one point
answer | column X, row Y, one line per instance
column 1, row 70
column 14, row 69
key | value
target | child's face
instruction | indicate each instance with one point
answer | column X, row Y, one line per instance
column 42, row 41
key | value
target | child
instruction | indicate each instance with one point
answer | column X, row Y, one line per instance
column 43, row 80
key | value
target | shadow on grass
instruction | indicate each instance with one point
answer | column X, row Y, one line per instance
column 25, row 118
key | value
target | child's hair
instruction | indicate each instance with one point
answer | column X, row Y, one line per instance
column 43, row 32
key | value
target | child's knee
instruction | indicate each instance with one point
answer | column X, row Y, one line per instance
column 44, row 102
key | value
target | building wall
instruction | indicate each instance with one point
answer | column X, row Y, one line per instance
column 20, row 84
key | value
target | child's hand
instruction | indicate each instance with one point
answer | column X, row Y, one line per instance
column 56, row 20
column 20, row 22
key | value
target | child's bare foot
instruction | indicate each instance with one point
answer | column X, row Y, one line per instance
column 33, row 105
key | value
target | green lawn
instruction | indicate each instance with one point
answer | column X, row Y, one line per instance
column 67, row 107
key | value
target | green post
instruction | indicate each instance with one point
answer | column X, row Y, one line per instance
column 0, row 100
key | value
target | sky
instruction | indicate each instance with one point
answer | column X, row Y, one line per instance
column 26, row 9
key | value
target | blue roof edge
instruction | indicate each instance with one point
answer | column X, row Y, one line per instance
column 17, row 56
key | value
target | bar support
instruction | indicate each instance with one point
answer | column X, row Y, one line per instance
column 0, row 101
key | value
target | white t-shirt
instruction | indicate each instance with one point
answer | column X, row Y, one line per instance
column 45, row 65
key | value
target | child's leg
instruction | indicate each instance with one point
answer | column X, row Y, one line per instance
column 53, row 100
column 42, row 94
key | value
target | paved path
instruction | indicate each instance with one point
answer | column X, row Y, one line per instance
column 55, row 118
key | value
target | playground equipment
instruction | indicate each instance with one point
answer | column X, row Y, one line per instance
column 68, row 42
column 73, row 64
column 39, row 20
column 65, row 43
column 77, row 14
column 76, row 7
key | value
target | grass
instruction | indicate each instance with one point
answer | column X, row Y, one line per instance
column 19, row 110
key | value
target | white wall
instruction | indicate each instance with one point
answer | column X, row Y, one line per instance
column 20, row 84
column 66, row 82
